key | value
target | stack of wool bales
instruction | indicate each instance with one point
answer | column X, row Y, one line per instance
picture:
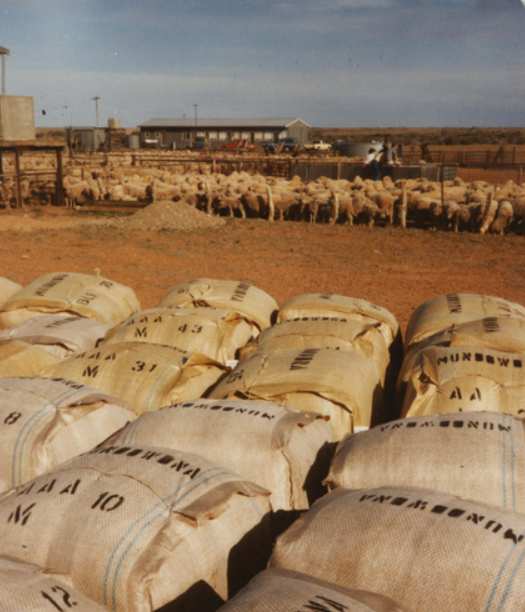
column 327, row 354
column 175, row 352
column 464, row 352
column 428, row 510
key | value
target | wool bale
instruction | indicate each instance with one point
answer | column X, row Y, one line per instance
column 328, row 305
column 26, row 587
column 242, row 297
column 278, row 590
column 441, row 312
column 84, row 295
column 213, row 332
column 342, row 334
column 60, row 335
column 496, row 333
column 425, row 549
column 285, row 451
column 44, row 422
column 480, row 456
column 136, row 527
column 145, row 376
column 22, row 359
column 342, row 385
column 465, row 379
column 7, row 289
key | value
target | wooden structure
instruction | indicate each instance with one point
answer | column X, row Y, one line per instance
column 18, row 149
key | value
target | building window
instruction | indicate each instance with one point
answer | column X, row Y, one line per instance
column 258, row 136
column 212, row 135
column 268, row 136
column 223, row 136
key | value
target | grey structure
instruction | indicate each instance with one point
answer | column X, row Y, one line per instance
column 182, row 133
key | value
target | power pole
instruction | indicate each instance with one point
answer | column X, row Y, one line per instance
column 3, row 53
column 96, row 98
column 195, row 107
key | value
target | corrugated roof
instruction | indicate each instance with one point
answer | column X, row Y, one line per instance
column 277, row 122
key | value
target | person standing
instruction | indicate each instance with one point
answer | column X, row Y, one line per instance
column 372, row 166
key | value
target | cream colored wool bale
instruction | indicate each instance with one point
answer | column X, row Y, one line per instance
column 145, row 376
column 213, row 332
column 339, row 384
column 134, row 528
column 328, row 305
column 283, row 450
column 480, row 456
column 343, row 334
column 465, row 379
column 25, row 587
column 439, row 313
column 278, row 590
column 8, row 288
column 22, row 359
column 60, row 335
column 84, row 295
column 495, row 333
column 44, row 422
column 254, row 304
column 424, row 549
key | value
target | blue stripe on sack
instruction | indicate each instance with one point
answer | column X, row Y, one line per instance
column 160, row 505
column 499, row 576
column 504, row 462
column 512, row 577
column 31, row 424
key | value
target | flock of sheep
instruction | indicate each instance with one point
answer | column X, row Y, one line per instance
column 454, row 205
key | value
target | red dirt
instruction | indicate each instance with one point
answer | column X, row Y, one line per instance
column 396, row 269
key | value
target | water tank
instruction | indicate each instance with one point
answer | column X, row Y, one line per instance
column 114, row 124
column 134, row 141
column 355, row 149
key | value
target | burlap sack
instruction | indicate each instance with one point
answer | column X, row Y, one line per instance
column 7, row 289
column 283, row 450
column 495, row 333
column 213, row 332
column 25, row 587
column 44, row 422
column 343, row 334
column 242, row 297
column 465, row 379
column 425, row 549
column 453, row 309
column 23, row 359
column 84, row 295
column 136, row 527
column 480, row 456
column 144, row 376
column 60, row 335
column 278, row 590
column 342, row 385
column 328, row 305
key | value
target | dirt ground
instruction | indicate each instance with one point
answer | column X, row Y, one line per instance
column 394, row 268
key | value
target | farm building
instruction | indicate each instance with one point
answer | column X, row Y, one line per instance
column 187, row 133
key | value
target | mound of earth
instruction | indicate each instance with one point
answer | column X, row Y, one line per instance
column 168, row 215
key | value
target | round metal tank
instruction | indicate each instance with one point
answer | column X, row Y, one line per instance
column 114, row 124
column 356, row 149
column 134, row 141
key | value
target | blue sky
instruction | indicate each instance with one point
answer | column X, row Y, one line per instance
column 333, row 63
